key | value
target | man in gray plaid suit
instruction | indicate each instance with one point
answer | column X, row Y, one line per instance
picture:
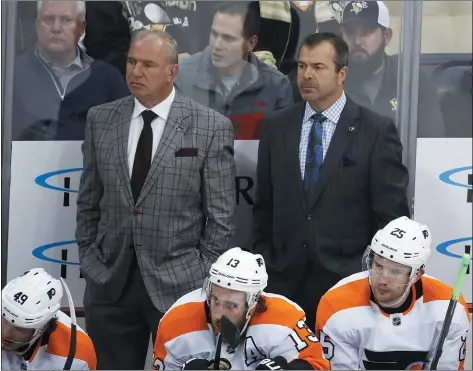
column 156, row 203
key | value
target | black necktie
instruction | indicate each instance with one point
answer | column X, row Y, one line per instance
column 143, row 154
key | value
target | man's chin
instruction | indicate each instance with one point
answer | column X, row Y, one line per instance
column 219, row 64
column 10, row 348
column 56, row 49
column 358, row 58
column 309, row 97
column 383, row 296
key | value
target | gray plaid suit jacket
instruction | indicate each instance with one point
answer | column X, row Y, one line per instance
column 184, row 217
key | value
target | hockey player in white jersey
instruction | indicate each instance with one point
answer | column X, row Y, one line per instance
column 36, row 335
column 270, row 330
column 390, row 315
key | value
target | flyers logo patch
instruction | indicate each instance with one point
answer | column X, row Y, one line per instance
column 397, row 360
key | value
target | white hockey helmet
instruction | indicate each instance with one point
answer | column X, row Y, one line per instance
column 240, row 270
column 404, row 241
column 31, row 300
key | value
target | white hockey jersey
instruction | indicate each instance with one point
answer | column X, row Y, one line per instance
column 53, row 354
column 184, row 333
column 357, row 334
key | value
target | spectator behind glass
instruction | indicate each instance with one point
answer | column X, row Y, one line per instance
column 373, row 76
column 107, row 34
column 111, row 24
column 57, row 83
column 227, row 77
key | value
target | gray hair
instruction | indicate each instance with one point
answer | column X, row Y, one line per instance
column 170, row 42
column 80, row 9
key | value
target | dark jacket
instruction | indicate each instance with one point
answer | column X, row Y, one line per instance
column 107, row 33
column 362, row 187
column 42, row 110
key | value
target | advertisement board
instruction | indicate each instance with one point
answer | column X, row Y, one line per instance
column 443, row 195
column 45, row 180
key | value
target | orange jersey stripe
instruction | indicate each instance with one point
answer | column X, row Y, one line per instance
column 178, row 321
column 350, row 295
column 60, row 340
column 282, row 312
column 437, row 290
column 279, row 312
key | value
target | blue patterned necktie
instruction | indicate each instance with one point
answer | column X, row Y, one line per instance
column 314, row 156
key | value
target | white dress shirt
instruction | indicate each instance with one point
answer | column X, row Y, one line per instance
column 157, row 125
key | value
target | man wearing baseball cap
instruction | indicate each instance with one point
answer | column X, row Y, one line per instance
column 372, row 80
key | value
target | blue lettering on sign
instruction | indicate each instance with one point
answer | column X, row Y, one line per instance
column 42, row 180
column 443, row 248
column 39, row 252
column 446, row 176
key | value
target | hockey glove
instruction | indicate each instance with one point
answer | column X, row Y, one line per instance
column 197, row 364
column 277, row 363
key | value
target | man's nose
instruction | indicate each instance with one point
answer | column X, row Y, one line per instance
column 137, row 70
column 56, row 25
column 7, row 332
column 358, row 38
column 384, row 277
column 217, row 311
column 218, row 43
column 308, row 74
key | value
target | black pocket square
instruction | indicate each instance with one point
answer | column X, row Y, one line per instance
column 186, row 152
column 348, row 160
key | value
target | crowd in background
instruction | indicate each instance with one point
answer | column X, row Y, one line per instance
column 329, row 173
column 277, row 36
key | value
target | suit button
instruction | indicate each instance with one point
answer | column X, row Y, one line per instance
column 308, row 217
column 135, row 212
column 305, row 246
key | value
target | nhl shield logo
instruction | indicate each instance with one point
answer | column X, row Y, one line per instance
column 303, row 5
column 396, row 321
column 358, row 6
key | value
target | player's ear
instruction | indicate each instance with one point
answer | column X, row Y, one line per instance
column 420, row 273
column 173, row 70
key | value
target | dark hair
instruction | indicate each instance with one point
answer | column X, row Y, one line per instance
column 261, row 305
column 250, row 14
column 340, row 46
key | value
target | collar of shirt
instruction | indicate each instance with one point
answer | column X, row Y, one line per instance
column 161, row 109
column 332, row 113
column 82, row 60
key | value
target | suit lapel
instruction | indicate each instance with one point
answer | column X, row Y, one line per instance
column 342, row 137
column 292, row 138
column 174, row 129
column 122, row 133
